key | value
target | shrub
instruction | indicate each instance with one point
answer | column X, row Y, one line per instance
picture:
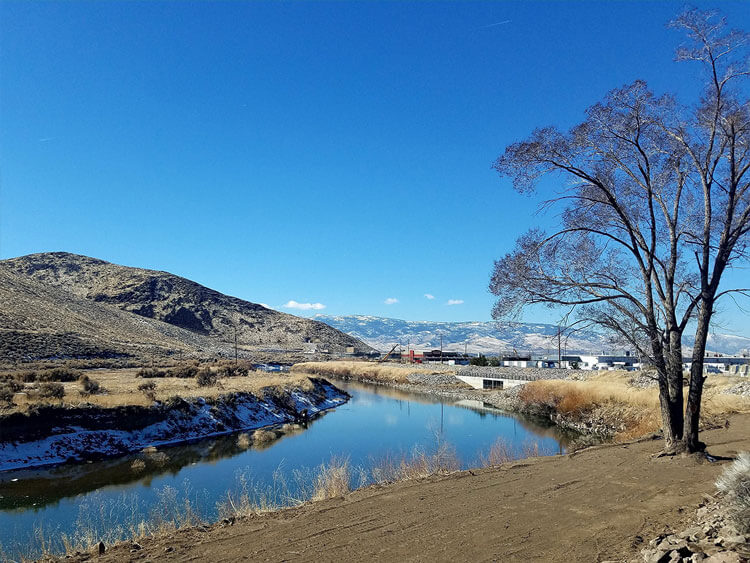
column 61, row 374
column 6, row 393
column 184, row 371
column 89, row 386
column 151, row 372
column 480, row 361
column 49, row 390
column 58, row 374
column 206, row 378
column 149, row 389
column 734, row 482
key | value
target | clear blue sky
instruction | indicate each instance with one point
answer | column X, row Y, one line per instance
column 333, row 153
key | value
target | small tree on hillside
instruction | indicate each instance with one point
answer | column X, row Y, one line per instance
column 656, row 207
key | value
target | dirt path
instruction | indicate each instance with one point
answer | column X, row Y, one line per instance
column 592, row 506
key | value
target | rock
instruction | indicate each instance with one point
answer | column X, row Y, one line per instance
column 168, row 549
column 697, row 557
column 656, row 556
column 692, row 534
column 735, row 540
column 723, row 557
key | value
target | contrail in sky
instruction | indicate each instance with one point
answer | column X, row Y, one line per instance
column 494, row 24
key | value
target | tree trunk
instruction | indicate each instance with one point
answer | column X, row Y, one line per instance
column 670, row 394
column 674, row 381
column 695, row 392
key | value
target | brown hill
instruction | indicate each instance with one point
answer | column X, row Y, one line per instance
column 69, row 302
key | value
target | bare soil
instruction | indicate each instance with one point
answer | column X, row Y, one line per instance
column 599, row 504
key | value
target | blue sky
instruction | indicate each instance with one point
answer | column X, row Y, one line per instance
column 332, row 153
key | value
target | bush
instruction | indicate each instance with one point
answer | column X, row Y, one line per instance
column 151, row 372
column 58, row 374
column 184, row 371
column 50, row 390
column 6, row 393
column 734, row 482
column 61, row 374
column 89, row 386
column 149, row 389
column 480, row 361
column 206, row 378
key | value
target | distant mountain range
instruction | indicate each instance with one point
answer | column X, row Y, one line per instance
column 490, row 337
column 61, row 305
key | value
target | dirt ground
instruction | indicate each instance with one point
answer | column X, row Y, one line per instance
column 599, row 504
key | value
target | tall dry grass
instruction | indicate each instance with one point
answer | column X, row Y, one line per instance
column 608, row 397
column 367, row 371
column 734, row 482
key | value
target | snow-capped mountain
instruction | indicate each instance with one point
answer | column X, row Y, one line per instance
column 485, row 337
column 491, row 337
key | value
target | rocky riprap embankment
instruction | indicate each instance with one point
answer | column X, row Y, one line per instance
column 510, row 372
column 711, row 539
column 433, row 379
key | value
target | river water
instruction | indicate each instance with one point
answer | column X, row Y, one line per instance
column 103, row 499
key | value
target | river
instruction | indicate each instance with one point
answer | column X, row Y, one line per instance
column 103, row 499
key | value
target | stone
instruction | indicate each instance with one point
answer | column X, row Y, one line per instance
column 723, row 557
column 735, row 540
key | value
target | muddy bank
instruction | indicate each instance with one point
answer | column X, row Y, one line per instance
column 51, row 435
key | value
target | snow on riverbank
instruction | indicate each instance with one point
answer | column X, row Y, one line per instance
column 177, row 421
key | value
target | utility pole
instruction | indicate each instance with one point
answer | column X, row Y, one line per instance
column 441, row 348
column 235, row 344
column 559, row 356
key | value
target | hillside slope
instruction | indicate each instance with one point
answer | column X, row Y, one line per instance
column 38, row 321
column 205, row 318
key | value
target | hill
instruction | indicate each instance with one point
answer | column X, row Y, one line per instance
column 85, row 307
column 490, row 337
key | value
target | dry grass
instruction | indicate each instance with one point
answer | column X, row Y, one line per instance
column 608, row 396
column 333, row 479
column 244, row 441
column 263, row 436
column 368, row 371
column 734, row 482
column 122, row 388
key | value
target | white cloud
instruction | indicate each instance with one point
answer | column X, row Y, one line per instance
column 455, row 302
column 304, row 306
column 390, row 301
column 429, row 296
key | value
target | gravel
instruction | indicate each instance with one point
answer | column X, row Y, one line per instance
column 742, row 388
column 433, row 378
column 529, row 374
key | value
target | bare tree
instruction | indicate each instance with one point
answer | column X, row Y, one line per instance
column 655, row 207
